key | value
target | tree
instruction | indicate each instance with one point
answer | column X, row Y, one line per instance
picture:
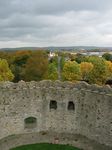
column 52, row 72
column 98, row 74
column 109, row 69
column 19, row 60
column 80, row 58
column 62, row 62
column 5, row 72
column 71, row 71
column 107, row 56
column 54, row 60
column 21, row 57
column 7, row 56
column 36, row 67
column 86, row 68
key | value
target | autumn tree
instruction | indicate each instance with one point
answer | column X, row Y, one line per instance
column 20, row 57
column 71, row 71
column 86, row 68
column 7, row 55
column 109, row 69
column 5, row 72
column 98, row 74
column 36, row 67
column 19, row 60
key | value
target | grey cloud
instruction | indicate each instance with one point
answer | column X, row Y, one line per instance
column 60, row 22
column 9, row 7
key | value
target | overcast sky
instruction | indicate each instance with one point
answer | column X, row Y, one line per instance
column 55, row 23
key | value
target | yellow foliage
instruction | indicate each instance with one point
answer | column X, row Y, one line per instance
column 86, row 68
column 109, row 68
column 71, row 71
column 5, row 72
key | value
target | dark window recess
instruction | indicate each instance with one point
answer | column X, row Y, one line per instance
column 71, row 106
column 53, row 105
column 30, row 122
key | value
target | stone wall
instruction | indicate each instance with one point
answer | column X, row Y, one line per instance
column 60, row 107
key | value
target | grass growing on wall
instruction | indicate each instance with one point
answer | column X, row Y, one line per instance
column 45, row 146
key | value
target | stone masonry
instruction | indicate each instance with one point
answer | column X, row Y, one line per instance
column 60, row 107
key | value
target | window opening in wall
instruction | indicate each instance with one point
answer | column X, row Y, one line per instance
column 53, row 105
column 30, row 122
column 71, row 105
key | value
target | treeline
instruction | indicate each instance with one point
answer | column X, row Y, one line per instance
column 26, row 65
column 37, row 65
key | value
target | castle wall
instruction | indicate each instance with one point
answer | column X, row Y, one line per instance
column 91, row 117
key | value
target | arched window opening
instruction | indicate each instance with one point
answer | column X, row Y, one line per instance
column 30, row 122
column 71, row 106
column 53, row 105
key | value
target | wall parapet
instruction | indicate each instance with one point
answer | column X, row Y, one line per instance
column 106, row 89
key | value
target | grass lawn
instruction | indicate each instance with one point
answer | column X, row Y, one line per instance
column 45, row 146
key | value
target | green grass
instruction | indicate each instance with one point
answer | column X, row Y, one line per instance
column 45, row 146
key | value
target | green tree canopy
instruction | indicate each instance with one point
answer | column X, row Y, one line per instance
column 52, row 72
column 80, row 58
column 107, row 56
